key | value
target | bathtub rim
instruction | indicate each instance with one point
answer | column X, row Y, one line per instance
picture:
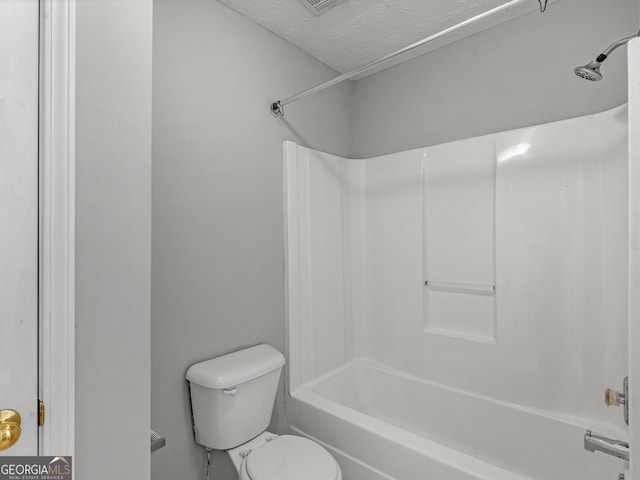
column 385, row 432
column 596, row 425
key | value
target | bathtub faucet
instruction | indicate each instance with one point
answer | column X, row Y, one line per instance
column 596, row 443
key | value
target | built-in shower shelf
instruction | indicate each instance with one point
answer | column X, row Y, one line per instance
column 461, row 310
column 469, row 288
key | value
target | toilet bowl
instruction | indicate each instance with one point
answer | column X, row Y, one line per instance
column 285, row 457
column 232, row 399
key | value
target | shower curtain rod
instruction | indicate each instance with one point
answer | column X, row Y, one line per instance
column 277, row 107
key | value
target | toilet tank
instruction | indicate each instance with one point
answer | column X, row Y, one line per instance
column 232, row 396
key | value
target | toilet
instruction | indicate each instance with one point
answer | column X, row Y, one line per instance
column 232, row 398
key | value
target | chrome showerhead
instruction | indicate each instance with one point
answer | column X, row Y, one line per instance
column 590, row 71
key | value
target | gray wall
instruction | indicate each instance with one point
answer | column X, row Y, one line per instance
column 113, row 238
column 514, row 75
column 217, row 281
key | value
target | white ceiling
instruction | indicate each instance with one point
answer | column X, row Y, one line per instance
column 358, row 31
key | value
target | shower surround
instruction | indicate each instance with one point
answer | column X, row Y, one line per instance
column 455, row 311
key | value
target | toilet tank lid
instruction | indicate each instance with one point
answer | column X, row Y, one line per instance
column 235, row 368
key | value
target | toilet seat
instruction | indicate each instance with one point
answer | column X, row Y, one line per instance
column 289, row 457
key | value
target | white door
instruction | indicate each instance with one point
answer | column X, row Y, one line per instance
column 19, row 218
column 634, row 259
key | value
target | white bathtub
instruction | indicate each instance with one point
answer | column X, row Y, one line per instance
column 383, row 424
column 496, row 265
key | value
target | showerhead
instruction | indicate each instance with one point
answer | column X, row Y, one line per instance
column 591, row 71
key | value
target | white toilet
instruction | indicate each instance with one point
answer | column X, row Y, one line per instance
column 232, row 399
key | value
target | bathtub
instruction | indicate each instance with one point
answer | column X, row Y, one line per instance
column 491, row 274
column 384, row 424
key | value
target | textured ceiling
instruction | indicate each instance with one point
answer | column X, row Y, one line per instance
column 358, row 31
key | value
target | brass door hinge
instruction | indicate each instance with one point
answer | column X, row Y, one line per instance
column 40, row 413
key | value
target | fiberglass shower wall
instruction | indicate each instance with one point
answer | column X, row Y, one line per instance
column 495, row 265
